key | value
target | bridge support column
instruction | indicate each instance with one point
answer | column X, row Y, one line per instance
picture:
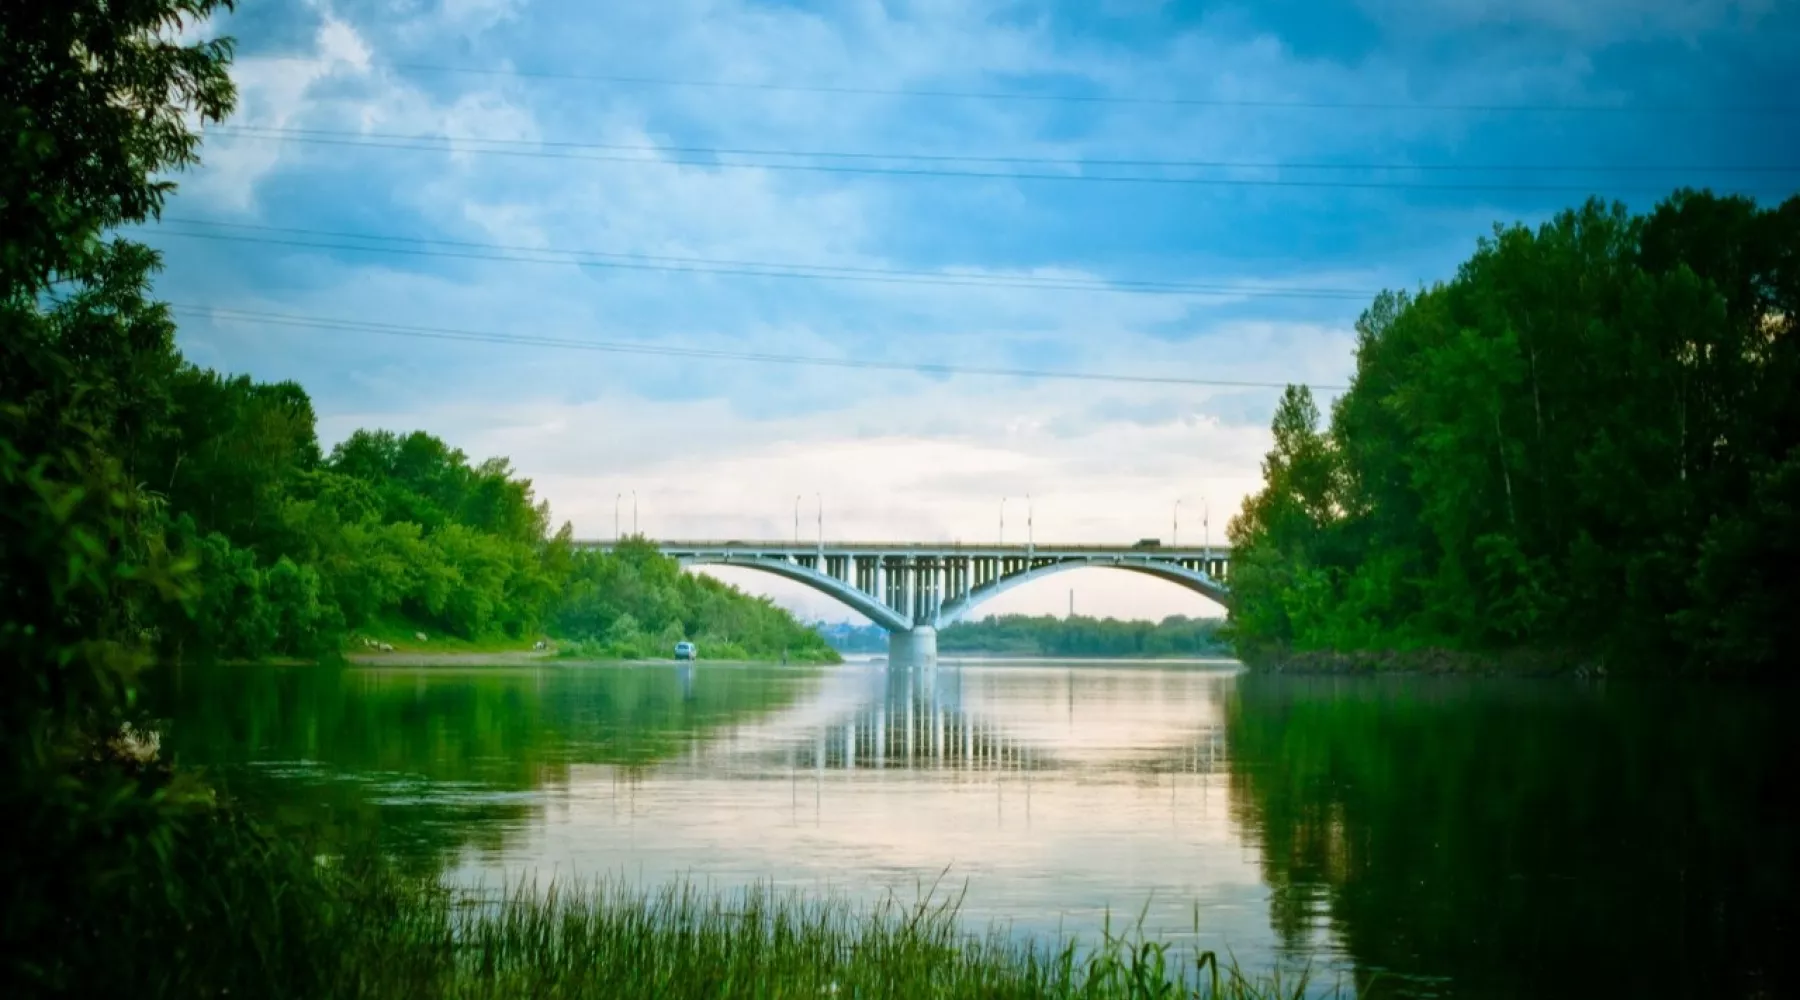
column 915, row 648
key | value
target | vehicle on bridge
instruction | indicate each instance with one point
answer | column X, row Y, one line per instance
column 685, row 650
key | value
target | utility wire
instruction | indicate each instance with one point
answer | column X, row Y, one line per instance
column 1096, row 99
column 438, row 146
column 613, row 347
column 261, row 131
column 739, row 268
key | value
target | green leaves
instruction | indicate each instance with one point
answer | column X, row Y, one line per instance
column 1532, row 453
column 99, row 99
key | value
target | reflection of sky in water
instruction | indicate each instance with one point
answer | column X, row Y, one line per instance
column 1047, row 792
column 1522, row 839
column 1051, row 793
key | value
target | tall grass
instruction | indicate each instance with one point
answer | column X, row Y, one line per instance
column 221, row 908
column 604, row 939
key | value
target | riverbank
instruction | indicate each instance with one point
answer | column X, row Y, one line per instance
column 372, row 933
column 1084, row 657
column 445, row 658
column 1218, row 662
column 526, row 657
column 1426, row 661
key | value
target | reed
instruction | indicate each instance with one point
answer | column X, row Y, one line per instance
column 230, row 911
column 604, row 939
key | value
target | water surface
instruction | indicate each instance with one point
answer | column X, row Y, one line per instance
column 1417, row 837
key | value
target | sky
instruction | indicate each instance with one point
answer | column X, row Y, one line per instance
column 561, row 171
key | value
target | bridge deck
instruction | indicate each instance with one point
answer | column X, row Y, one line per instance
column 921, row 548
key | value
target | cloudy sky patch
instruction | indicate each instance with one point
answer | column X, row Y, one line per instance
column 628, row 175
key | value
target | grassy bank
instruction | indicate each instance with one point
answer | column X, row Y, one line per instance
column 632, row 649
column 408, row 637
column 387, row 639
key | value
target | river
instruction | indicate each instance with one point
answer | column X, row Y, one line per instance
column 1402, row 836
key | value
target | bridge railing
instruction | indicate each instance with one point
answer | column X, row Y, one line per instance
column 971, row 548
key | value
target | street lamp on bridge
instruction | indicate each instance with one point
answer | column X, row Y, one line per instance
column 1175, row 526
column 1206, row 527
column 1002, row 520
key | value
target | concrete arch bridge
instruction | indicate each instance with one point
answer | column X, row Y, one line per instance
column 912, row 590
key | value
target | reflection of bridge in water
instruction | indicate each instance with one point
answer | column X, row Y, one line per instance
column 916, row 720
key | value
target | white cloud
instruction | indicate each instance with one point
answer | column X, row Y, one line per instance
column 338, row 42
column 273, row 92
column 721, row 449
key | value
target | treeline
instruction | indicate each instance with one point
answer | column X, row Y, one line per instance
column 639, row 603
column 1587, row 442
column 293, row 549
column 1047, row 635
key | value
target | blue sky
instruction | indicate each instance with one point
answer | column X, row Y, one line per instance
column 719, row 448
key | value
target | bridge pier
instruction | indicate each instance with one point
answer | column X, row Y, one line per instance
column 914, row 648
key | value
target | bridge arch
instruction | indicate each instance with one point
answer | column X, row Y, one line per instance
column 1194, row 580
column 831, row 586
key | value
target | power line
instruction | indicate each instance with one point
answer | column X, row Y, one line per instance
column 613, row 347
column 1093, row 99
column 261, row 131
column 426, row 145
column 736, row 268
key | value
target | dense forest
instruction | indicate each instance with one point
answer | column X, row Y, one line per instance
column 286, row 550
column 1048, row 635
column 1586, row 444
column 389, row 534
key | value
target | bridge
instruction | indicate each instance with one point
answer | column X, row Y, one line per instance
column 912, row 590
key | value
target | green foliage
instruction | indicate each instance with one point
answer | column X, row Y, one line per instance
column 636, row 603
column 607, row 940
column 1584, row 441
column 1047, row 635
column 98, row 103
column 100, row 99
column 295, row 550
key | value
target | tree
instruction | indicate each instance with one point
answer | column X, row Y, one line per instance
column 99, row 100
column 1570, row 446
column 101, row 103
column 1276, row 538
